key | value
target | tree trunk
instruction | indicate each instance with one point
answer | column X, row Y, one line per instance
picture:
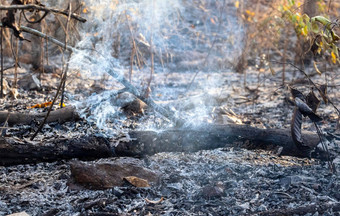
column 150, row 142
column 303, row 56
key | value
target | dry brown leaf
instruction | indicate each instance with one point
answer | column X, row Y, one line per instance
column 138, row 182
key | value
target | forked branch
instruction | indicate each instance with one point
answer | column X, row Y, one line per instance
column 42, row 8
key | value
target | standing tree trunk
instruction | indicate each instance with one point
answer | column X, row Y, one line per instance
column 302, row 47
column 310, row 7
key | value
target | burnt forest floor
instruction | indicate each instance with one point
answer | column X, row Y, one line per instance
column 226, row 181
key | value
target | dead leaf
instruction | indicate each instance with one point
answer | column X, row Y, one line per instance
column 237, row 4
column 154, row 202
column 137, row 182
column 296, row 127
column 42, row 105
column 316, row 68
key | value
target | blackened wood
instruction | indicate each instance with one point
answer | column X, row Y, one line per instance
column 12, row 152
column 60, row 115
column 211, row 137
column 42, row 8
column 151, row 142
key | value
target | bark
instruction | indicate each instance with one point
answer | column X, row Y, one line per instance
column 303, row 56
column 60, row 115
column 43, row 8
column 150, row 142
column 310, row 7
column 211, row 137
column 13, row 152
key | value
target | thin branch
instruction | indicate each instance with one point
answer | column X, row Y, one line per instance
column 16, row 57
column 41, row 8
column 66, row 41
column 54, row 100
column 2, row 63
column 325, row 148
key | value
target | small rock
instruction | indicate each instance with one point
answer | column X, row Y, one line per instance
column 317, row 187
column 30, row 82
column 130, row 104
column 118, row 192
column 209, row 192
column 104, row 175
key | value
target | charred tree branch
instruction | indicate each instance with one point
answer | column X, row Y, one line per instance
column 150, row 142
column 60, row 115
column 42, row 8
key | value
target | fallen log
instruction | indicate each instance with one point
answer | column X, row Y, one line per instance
column 59, row 115
column 13, row 152
column 150, row 142
column 211, row 137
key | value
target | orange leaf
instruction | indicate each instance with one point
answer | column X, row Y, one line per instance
column 237, row 4
column 42, row 105
column 333, row 57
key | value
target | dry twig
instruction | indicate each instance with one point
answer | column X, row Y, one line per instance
column 42, row 8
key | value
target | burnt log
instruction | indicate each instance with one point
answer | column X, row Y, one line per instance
column 150, row 142
column 59, row 115
column 13, row 152
column 211, row 137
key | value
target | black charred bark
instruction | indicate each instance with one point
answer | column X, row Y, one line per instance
column 59, row 115
column 150, row 142
column 12, row 152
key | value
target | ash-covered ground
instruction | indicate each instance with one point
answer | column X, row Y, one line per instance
column 230, row 181
column 194, row 77
column 217, row 182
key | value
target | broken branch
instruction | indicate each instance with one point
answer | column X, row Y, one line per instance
column 42, row 8
column 60, row 115
column 151, row 142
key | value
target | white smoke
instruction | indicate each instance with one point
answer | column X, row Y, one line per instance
column 167, row 26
